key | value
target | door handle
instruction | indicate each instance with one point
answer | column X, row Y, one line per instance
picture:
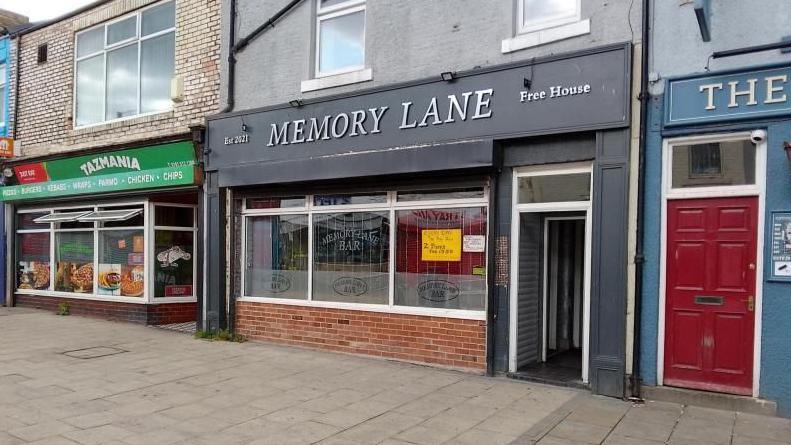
column 750, row 303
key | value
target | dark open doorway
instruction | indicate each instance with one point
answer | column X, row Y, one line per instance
column 551, row 297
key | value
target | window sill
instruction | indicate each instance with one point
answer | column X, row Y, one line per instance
column 337, row 80
column 402, row 310
column 544, row 36
column 123, row 122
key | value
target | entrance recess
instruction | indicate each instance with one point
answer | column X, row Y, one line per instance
column 550, row 261
column 710, row 293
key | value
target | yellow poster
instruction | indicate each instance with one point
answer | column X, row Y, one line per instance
column 441, row 245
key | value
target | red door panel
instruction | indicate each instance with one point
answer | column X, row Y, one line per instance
column 709, row 328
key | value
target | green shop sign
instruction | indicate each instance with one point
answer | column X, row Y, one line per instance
column 164, row 165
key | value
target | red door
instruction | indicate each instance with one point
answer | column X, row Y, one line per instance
column 710, row 298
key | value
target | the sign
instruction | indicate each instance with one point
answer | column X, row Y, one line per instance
column 781, row 246
column 441, row 245
column 565, row 93
column 6, row 146
column 729, row 96
column 178, row 291
column 474, row 243
column 140, row 168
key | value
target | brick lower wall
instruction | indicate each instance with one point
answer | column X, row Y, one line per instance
column 112, row 310
column 435, row 340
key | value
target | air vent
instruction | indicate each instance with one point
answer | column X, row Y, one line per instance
column 42, row 53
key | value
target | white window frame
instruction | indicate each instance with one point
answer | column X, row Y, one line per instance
column 668, row 193
column 138, row 40
column 551, row 22
column 544, row 207
column 345, row 8
column 148, row 209
column 390, row 206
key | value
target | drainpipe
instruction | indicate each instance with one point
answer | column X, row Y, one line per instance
column 639, row 257
column 235, row 48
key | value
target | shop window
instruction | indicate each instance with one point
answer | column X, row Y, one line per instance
column 174, row 216
column 441, row 195
column 275, row 203
column 554, row 188
column 340, row 43
column 3, row 96
column 276, row 256
column 351, row 257
column 361, row 199
column 540, row 14
column 121, row 270
column 122, row 73
column 174, row 263
column 441, row 258
column 33, row 265
column 27, row 221
column 118, row 217
column 727, row 163
column 74, row 262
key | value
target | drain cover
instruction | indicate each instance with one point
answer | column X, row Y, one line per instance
column 95, row 352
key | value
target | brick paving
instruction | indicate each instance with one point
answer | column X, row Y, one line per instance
column 127, row 384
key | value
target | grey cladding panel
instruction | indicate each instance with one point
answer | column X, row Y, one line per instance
column 529, row 291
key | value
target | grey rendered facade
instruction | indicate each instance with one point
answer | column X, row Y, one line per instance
column 408, row 44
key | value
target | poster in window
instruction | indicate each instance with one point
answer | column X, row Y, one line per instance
column 33, row 270
column 781, row 246
column 441, row 245
column 173, row 263
column 109, row 279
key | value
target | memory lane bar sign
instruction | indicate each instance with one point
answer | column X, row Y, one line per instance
column 553, row 95
column 164, row 165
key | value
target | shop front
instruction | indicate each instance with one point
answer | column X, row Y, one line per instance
column 434, row 221
column 108, row 234
column 714, row 305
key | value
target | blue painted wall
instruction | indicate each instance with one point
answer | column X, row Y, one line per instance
column 5, row 47
column 5, row 52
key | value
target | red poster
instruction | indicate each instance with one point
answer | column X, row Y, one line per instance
column 178, row 291
column 30, row 173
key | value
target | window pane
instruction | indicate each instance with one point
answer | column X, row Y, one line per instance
column 276, row 257
column 74, row 262
column 335, row 200
column 555, row 188
column 90, row 42
column 173, row 265
column 90, row 90
column 24, row 221
column 174, row 216
column 156, row 69
column 341, row 42
column 714, row 164
column 33, row 260
column 330, row 3
column 122, row 82
column 434, row 195
column 158, row 18
column 275, row 203
column 441, row 258
column 123, row 30
column 134, row 221
column 72, row 222
column 121, row 256
column 538, row 11
column 351, row 257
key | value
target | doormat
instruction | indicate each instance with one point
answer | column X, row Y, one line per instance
column 94, row 352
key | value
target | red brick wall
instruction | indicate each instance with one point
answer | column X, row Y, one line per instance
column 435, row 340
column 112, row 310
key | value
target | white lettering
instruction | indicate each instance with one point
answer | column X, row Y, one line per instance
column 481, row 103
column 340, row 133
column 298, row 135
column 278, row 136
column 358, row 117
column 404, row 125
column 750, row 93
column 771, row 89
column 431, row 111
column 710, row 94
column 377, row 117
column 317, row 131
column 454, row 103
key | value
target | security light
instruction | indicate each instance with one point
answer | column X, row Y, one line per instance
column 448, row 76
column 296, row 103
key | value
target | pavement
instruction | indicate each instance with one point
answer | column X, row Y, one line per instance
column 72, row 380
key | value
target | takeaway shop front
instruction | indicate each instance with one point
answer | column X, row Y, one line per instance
column 410, row 221
column 109, row 234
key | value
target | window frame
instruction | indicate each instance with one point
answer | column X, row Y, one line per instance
column 346, row 8
column 524, row 28
column 668, row 147
column 391, row 206
column 138, row 39
column 148, row 208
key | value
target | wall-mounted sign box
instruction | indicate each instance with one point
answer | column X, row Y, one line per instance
column 6, row 146
column 729, row 96
column 158, row 166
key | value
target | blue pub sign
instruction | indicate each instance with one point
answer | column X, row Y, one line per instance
column 729, row 96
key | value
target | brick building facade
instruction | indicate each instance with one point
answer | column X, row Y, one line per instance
column 129, row 175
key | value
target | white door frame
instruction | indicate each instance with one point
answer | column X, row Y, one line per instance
column 554, row 207
column 757, row 190
column 545, row 276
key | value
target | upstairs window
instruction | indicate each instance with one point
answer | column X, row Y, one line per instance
column 340, row 36
column 541, row 14
column 124, row 67
column 3, row 96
